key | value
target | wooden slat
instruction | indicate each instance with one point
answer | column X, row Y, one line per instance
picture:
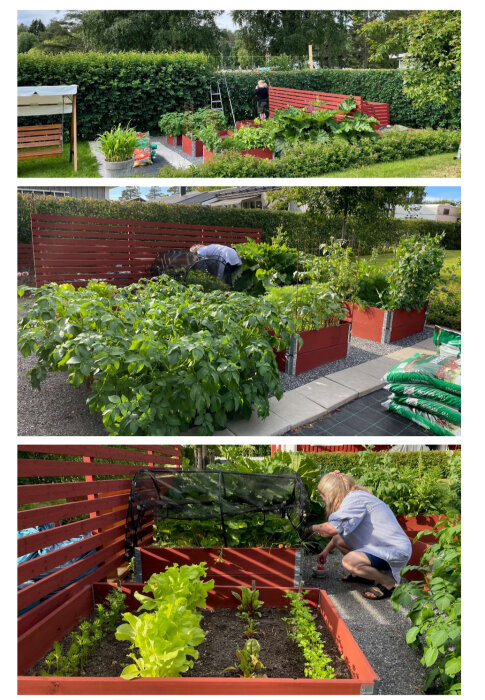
column 103, row 452
column 49, row 514
column 41, row 127
column 37, row 493
column 44, row 467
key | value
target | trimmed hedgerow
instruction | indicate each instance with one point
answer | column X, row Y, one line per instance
column 121, row 88
column 305, row 230
column 373, row 85
column 313, row 159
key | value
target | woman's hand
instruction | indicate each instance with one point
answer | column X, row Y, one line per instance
column 322, row 557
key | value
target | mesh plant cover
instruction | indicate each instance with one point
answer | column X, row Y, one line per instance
column 210, row 495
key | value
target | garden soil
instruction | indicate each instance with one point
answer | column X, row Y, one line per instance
column 224, row 633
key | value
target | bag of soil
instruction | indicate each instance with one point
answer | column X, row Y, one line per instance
column 425, row 392
column 436, row 425
column 429, row 406
column 447, row 341
column 433, row 370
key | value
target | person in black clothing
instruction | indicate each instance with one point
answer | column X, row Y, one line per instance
column 262, row 95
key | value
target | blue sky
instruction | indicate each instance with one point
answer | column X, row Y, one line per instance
column 433, row 194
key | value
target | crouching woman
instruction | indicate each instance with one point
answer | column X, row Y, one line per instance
column 366, row 531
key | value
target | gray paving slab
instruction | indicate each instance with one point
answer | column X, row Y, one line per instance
column 426, row 345
column 355, row 378
column 296, row 408
column 272, row 425
column 378, row 367
column 328, row 394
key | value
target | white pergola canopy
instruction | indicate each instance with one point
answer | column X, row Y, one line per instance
column 40, row 100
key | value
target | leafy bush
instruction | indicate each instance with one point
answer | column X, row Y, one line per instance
column 265, row 265
column 311, row 306
column 435, row 609
column 171, row 123
column 444, row 306
column 163, row 357
column 118, row 144
column 305, row 231
column 124, row 87
column 311, row 159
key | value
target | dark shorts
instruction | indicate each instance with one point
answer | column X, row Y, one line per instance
column 262, row 106
column 377, row 562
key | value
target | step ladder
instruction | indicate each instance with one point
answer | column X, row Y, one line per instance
column 216, row 99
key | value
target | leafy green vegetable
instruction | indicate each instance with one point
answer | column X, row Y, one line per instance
column 248, row 658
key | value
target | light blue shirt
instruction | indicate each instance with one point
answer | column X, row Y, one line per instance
column 223, row 251
column 367, row 524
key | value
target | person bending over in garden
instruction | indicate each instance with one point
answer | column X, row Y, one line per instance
column 230, row 260
column 366, row 531
column 262, row 96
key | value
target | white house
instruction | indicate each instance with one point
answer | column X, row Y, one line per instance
column 432, row 212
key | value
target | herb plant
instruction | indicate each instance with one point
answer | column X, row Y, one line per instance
column 164, row 357
column 434, row 608
column 302, row 629
column 118, row 144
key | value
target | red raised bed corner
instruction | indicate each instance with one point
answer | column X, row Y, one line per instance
column 191, row 147
column 209, row 155
column 174, row 140
column 384, row 326
column 319, row 348
column 363, row 679
column 239, row 566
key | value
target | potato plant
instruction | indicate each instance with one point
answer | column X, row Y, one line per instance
column 160, row 358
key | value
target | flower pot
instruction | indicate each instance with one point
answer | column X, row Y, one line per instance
column 174, row 140
column 384, row 326
column 118, row 169
column 319, row 347
column 34, row 644
column 191, row 147
column 239, row 566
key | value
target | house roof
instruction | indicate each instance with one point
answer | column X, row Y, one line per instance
column 227, row 193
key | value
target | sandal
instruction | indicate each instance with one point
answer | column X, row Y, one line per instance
column 354, row 579
column 385, row 592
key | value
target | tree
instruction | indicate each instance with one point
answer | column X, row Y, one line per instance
column 431, row 41
column 154, row 193
column 147, row 30
column 357, row 53
column 366, row 203
column 37, row 27
column 129, row 193
column 26, row 41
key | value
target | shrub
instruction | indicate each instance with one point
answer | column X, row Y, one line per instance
column 171, row 123
column 123, row 87
column 265, row 265
column 444, row 307
column 160, row 358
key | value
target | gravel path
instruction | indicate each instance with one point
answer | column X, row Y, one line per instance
column 359, row 351
column 379, row 631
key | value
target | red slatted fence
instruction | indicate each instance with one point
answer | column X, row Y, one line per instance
column 282, row 98
column 25, row 257
column 76, row 249
column 104, row 501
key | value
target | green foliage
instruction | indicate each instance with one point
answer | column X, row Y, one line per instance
column 248, row 658
column 311, row 306
column 434, row 608
column 249, row 602
column 122, row 88
column 171, row 123
column 84, row 642
column 312, row 159
column 415, row 272
column 302, row 629
column 160, row 365
column 166, row 635
column 304, row 231
column 444, row 307
column 118, row 144
column 265, row 265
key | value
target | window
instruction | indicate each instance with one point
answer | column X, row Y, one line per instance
column 446, row 212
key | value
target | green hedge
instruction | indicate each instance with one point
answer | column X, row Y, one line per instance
column 312, row 159
column 305, row 229
column 121, row 88
column 346, row 461
column 140, row 88
column 372, row 85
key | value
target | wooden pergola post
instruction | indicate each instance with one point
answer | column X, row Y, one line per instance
column 73, row 143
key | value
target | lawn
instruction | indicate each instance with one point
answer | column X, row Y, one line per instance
column 59, row 166
column 441, row 165
column 452, row 257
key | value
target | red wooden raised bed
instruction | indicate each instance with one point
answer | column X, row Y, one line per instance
column 174, row 140
column 258, row 153
column 239, row 566
column 64, row 619
column 384, row 326
column 319, row 348
column 191, row 147
column 209, row 155
column 417, row 523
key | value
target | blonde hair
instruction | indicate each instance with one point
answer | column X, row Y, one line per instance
column 195, row 248
column 262, row 83
column 334, row 486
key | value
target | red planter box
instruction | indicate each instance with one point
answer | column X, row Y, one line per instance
column 209, row 155
column 174, row 140
column 385, row 326
column 239, row 566
column 258, row 153
column 413, row 525
column 33, row 646
column 192, row 148
column 319, row 348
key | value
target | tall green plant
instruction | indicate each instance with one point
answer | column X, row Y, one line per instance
column 117, row 144
column 415, row 272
